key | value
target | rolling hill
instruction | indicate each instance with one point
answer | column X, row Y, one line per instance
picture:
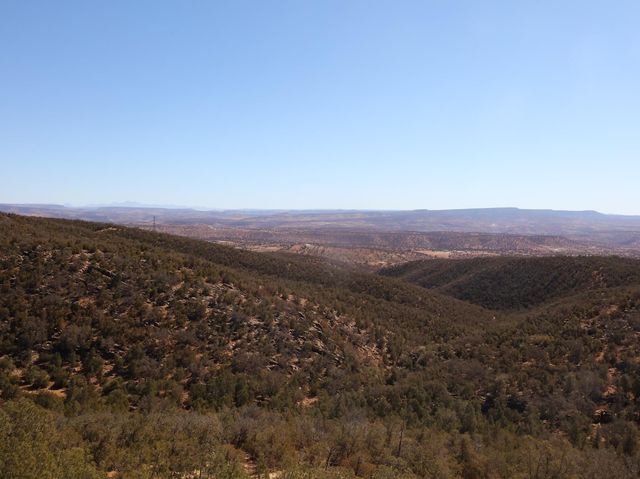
column 129, row 353
column 514, row 283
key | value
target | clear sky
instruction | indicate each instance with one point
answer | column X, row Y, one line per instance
column 322, row 104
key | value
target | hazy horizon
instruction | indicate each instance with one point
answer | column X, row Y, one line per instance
column 136, row 205
column 322, row 105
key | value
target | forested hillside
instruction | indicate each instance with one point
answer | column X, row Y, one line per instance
column 516, row 283
column 127, row 353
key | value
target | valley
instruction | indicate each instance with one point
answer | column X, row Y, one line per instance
column 371, row 240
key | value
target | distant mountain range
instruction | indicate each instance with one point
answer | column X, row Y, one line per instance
column 589, row 226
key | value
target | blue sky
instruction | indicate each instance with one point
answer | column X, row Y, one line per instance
column 322, row 104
